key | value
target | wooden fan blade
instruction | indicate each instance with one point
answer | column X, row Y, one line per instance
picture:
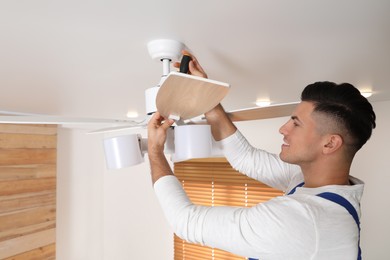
column 185, row 96
column 58, row 120
column 278, row 110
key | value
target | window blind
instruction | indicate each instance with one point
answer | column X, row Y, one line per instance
column 213, row 182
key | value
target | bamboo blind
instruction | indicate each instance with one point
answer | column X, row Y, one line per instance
column 213, row 182
column 27, row 191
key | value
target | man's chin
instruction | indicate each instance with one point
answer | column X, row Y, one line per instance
column 285, row 158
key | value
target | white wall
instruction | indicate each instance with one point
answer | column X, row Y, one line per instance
column 372, row 165
column 114, row 215
column 105, row 215
column 134, row 225
column 80, row 197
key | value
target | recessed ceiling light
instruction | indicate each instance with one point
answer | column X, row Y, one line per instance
column 366, row 93
column 263, row 103
column 132, row 114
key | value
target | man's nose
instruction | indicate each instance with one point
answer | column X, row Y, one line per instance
column 282, row 129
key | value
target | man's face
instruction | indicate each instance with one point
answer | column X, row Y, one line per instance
column 302, row 141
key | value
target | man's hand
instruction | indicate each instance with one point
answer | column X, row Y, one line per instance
column 157, row 135
column 221, row 125
column 194, row 66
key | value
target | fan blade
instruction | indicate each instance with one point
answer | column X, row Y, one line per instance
column 187, row 96
column 277, row 110
column 132, row 125
column 116, row 128
column 58, row 120
column 14, row 113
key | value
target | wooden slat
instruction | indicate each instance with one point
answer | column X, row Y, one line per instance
column 28, row 129
column 27, row 230
column 23, row 172
column 23, row 218
column 26, row 186
column 21, row 201
column 211, row 160
column 27, row 156
column 26, row 243
column 196, row 251
column 46, row 252
column 9, row 141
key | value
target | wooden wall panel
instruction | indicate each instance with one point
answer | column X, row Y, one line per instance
column 46, row 252
column 27, row 191
column 23, row 186
column 27, row 156
column 28, row 129
column 20, row 245
column 9, row 141
column 24, row 172
column 21, row 201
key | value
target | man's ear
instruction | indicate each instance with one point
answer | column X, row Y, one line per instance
column 332, row 144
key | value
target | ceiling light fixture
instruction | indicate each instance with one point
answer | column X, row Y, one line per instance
column 366, row 93
column 263, row 103
column 183, row 141
column 124, row 151
column 132, row 114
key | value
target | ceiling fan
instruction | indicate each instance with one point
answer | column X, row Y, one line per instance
column 178, row 95
column 175, row 93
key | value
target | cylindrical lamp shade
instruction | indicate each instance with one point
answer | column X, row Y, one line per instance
column 169, row 147
column 150, row 100
column 123, row 151
column 192, row 141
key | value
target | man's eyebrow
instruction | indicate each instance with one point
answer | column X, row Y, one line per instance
column 295, row 118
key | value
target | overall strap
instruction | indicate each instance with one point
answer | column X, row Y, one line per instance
column 348, row 206
column 293, row 190
column 342, row 202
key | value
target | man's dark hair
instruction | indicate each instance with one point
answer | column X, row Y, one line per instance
column 344, row 104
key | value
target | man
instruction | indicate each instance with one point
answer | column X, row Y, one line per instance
column 319, row 216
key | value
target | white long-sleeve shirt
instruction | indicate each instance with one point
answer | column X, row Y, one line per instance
column 298, row 226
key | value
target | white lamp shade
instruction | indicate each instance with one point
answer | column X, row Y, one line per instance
column 150, row 99
column 123, row 151
column 192, row 141
column 169, row 147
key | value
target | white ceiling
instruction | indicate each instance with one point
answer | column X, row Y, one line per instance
column 89, row 58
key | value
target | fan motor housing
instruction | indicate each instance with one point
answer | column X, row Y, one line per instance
column 165, row 49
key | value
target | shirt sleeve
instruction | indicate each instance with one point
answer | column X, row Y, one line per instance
column 256, row 163
column 277, row 228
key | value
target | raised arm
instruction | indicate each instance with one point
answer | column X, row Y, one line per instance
column 157, row 134
column 221, row 125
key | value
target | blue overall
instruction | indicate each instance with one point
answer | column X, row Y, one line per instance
column 342, row 202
